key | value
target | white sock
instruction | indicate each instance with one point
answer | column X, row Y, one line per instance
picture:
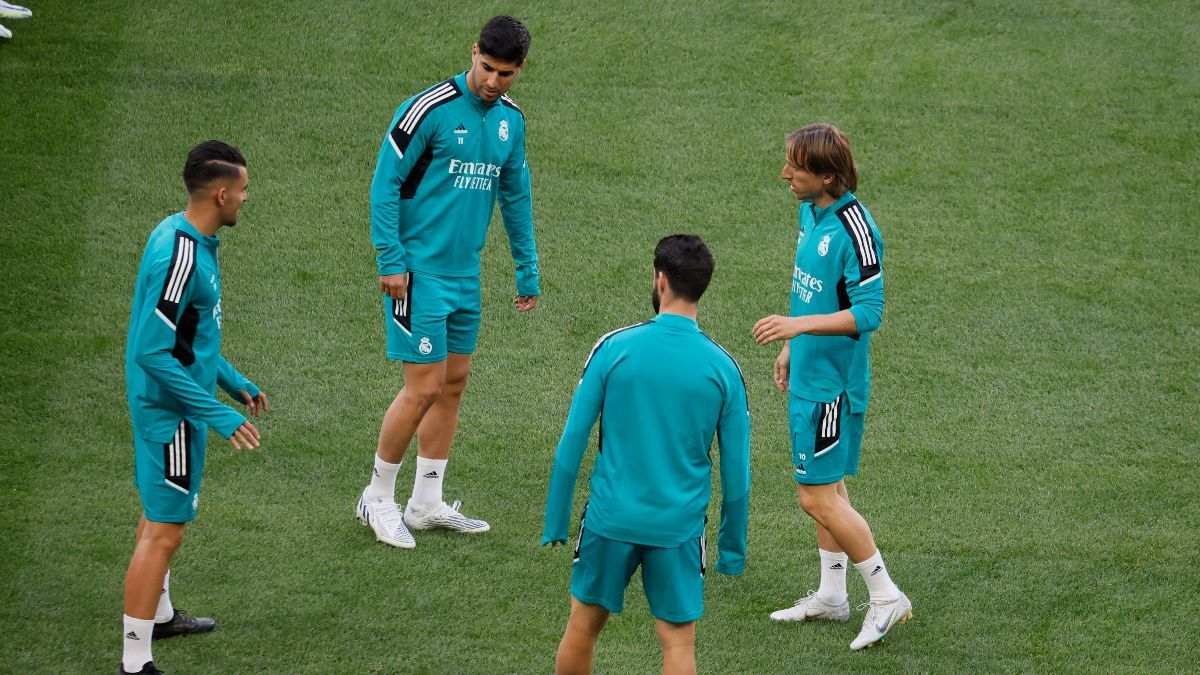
column 383, row 480
column 833, row 577
column 138, row 634
column 427, row 487
column 879, row 583
column 166, row 611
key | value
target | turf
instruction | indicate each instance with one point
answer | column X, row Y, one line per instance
column 1030, row 466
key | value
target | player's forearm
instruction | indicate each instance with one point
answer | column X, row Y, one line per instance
column 558, row 505
column 731, row 542
column 838, row 323
column 165, row 370
column 233, row 382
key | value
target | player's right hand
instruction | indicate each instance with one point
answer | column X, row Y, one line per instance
column 245, row 438
column 783, row 366
column 394, row 285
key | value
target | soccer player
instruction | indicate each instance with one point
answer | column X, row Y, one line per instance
column 661, row 389
column 450, row 153
column 836, row 301
column 173, row 365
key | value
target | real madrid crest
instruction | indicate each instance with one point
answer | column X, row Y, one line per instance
column 823, row 247
column 504, row 130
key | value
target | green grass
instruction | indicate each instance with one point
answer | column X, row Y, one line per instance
column 1031, row 461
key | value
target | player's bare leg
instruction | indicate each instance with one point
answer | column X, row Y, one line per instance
column 678, row 642
column 156, row 544
column 422, row 385
column 435, row 434
column 825, row 539
column 832, row 512
column 578, row 643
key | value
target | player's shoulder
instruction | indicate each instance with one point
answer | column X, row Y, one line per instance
column 167, row 237
column 508, row 102
column 430, row 100
column 616, row 338
column 721, row 356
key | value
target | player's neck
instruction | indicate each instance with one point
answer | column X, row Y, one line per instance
column 680, row 307
column 204, row 220
column 824, row 201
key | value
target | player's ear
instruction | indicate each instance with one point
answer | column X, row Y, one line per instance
column 219, row 195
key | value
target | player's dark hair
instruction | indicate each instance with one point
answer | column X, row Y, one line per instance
column 823, row 149
column 687, row 264
column 505, row 38
column 210, row 161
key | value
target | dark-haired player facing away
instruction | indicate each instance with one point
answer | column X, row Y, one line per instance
column 836, row 302
column 173, row 365
column 450, row 154
column 662, row 389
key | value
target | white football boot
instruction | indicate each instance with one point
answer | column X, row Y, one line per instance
column 11, row 11
column 5, row 33
column 881, row 617
column 442, row 515
column 813, row 608
column 383, row 516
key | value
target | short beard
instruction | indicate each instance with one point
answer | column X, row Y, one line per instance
column 654, row 299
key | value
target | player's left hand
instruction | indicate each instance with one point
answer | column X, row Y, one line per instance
column 257, row 404
column 525, row 303
column 774, row 328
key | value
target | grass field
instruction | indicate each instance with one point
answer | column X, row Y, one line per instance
column 1031, row 465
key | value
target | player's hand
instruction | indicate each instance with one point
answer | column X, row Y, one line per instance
column 245, row 438
column 394, row 285
column 525, row 303
column 783, row 366
column 774, row 328
column 256, row 404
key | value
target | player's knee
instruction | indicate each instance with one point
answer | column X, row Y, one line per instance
column 166, row 537
column 817, row 505
column 422, row 394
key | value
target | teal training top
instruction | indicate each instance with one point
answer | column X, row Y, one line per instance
column 447, row 158
column 173, row 360
column 661, row 389
column 839, row 265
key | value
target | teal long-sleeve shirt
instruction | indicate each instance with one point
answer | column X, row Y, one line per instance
column 447, row 159
column 173, row 361
column 661, row 390
column 839, row 266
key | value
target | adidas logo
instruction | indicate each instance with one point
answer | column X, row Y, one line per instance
column 837, row 566
column 132, row 636
column 431, row 474
column 376, row 472
column 460, row 130
column 876, row 570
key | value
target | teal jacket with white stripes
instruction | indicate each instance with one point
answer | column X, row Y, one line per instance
column 173, row 360
column 662, row 390
column 839, row 266
column 447, row 158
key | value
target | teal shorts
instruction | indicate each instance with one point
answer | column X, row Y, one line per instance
column 167, row 475
column 673, row 578
column 826, row 440
column 437, row 315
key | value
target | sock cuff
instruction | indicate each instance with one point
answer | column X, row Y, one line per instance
column 870, row 563
column 425, row 463
column 387, row 465
column 832, row 556
column 145, row 623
